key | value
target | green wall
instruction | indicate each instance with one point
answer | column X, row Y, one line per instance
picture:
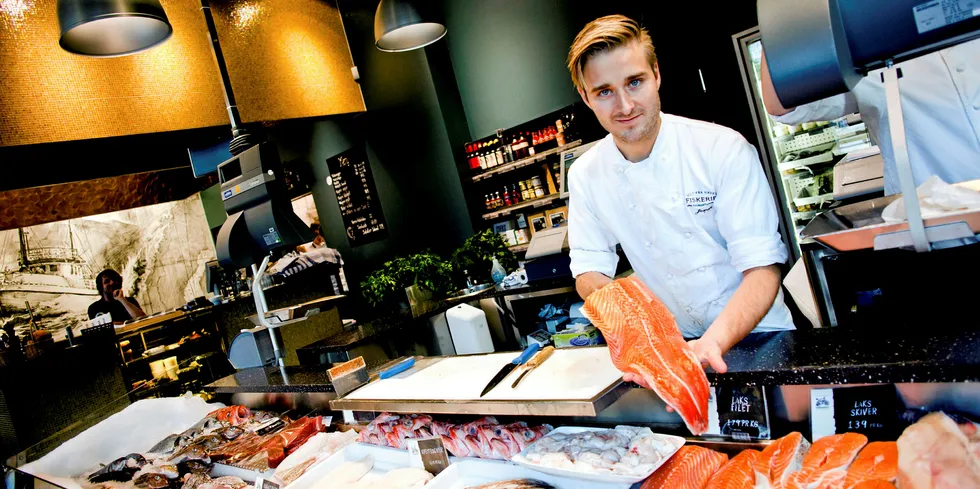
column 509, row 59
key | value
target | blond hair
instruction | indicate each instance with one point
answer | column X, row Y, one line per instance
column 604, row 34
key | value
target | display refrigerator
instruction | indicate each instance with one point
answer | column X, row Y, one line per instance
column 800, row 159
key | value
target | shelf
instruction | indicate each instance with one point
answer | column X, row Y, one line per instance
column 506, row 167
column 521, row 248
column 167, row 353
column 825, row 156
column 819, row 199
column 539, row 202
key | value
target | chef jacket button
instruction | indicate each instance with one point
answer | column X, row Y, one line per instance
column 976, row 105
column 688, row 309
column 669, row 276
column 701, row 269
column 688, row 235
column 621, row 170
column 714, row 303
column 648, row 244
column 632, row 207
column 960, row 68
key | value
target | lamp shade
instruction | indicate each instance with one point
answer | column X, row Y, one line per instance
column 111, row 27
column 400, row 26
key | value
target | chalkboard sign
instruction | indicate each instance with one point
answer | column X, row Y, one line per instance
column 357, row 197
column 742, row 412
column 873, row 411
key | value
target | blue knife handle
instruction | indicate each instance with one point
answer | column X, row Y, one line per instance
column 397, row 369
column 528, row 353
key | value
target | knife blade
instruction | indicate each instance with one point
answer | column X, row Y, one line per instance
column 507, row 369
column 534, row 362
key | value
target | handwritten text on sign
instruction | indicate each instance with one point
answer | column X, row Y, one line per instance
column 357, row 197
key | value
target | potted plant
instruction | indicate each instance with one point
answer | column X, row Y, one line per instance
column 475, row 257
column 416, row 278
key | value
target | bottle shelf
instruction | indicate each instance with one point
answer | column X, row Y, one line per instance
column 538, row 202
column 506, row 167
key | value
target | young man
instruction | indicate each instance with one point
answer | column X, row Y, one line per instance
column 120, row 307
column 687, row 200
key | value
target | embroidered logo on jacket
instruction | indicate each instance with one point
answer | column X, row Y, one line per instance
column 701, row 201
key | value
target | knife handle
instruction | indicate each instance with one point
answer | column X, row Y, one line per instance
column 528, row 353
column 541, row 356
column 397, row 369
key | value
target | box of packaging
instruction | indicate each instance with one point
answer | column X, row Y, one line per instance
column 582, row 336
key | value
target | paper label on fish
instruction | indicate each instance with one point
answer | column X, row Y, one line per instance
column 428, row 453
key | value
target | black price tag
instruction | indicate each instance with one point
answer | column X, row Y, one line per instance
column 742, row 412
column 872, row 411
column 428, row 454
column 357, row 196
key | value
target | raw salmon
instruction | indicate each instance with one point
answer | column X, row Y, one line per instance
column 779, row 460
column 873, row 484
column 738, row 473
column 827, row 461
column 877, row 461
column 690, row 468
column 935, row 453
column 643, row 339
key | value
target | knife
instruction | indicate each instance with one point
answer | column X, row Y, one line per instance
column 535, row 361
column 507, row 369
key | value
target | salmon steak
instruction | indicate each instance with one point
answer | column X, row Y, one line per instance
column 877, row 461
column 738, row 473
column 643, row 339
column 780, row 460
column 690, row 468
column 827, row 461
column 873, row 484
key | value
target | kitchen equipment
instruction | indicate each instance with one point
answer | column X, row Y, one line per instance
column 507, row 369
column 469, row 330
column 536, row 360
column 397, row 369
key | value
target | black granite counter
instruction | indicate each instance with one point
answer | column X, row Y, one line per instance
column 272, row 379
column 932, row 353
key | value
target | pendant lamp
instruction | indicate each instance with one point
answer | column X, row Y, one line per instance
column 401, row 25
column 105, row 28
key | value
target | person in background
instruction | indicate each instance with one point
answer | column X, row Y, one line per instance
column 687, row 200
column 318, row 240
column 941, row 107
column 121, row 308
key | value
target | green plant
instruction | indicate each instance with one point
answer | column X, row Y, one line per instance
column 426, row 270
column 476, row 256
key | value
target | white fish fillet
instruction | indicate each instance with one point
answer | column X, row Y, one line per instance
column 318, row 447
column 346, row 474
column 407, row 478
column 935, row 454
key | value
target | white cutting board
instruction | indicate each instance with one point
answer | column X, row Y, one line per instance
column 570, row 374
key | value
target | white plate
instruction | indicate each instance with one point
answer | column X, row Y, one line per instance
column 595, row 476
column 466, row 473
column 385, row 460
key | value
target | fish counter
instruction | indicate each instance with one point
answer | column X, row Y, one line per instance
column 237, row 448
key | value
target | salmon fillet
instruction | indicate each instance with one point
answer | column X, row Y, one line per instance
column 779, row 460
column 738, row 473
column 877, row 461
column 935, row 453
column 827, row 461
column 643, row 339
column 873, row 484
column 690, row 468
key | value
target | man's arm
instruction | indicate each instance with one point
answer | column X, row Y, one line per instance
column 747, row 306
column 593, row 246
column 589, row 282
column 131, row 306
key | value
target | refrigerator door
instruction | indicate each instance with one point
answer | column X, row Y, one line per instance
column 799, row 160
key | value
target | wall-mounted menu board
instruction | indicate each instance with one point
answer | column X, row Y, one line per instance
column 357, row 197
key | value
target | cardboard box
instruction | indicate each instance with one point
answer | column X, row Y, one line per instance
column 586, row 336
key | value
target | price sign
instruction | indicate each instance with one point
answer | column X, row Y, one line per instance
column 873, row 411
column 428, row 454
column 741, row 412
column 357, row 196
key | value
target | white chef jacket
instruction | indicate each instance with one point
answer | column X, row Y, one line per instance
column 941, row 106
column 691, row 218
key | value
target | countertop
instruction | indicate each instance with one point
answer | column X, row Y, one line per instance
column 811, row 357
column 937, row 353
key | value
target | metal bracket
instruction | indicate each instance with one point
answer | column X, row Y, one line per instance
column 939, row 232
column 896, row 123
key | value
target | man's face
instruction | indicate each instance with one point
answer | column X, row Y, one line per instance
column 109, row 285
column 622, row 89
